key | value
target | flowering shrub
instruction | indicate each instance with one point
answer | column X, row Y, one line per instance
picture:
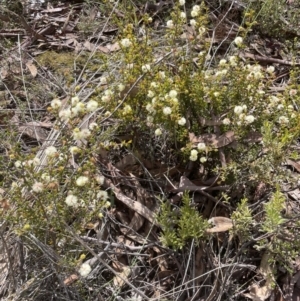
column 167, row 91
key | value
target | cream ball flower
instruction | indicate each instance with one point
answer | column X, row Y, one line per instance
column 249, row 119
column 72, row 201
column 162, row 74
column 238, row 110
column 170, row 24
column 82, row 181
column 18, row 164
column 92, row 106
column 222, row 62
column 181, row 2
column 270, row 69
column 183, row 15
column 150, row 119
column 99, row 179
column 51, row 151
column 38, row 187
column 84, row 270
column 56, row 103
column 158, row 132
column 102, row 195
column 201, row 146
column 103, row 80
column 182, row 121
column 146, row 68
column 74, row 100
column 283, row 120
column 121, row 87
column 126, row 43
column 85, row 133
column 193, row 22
column 65, row 115
column 74, row 150
column 194, row 152
column 173, row 94
column 226, row 121
column 93, row 126
column 77, row 135
column 238, row 41
column 167, row 110
column 150, row 94
column 203, row 159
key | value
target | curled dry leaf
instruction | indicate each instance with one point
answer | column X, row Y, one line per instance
column 32, row 68
column 120, row 277
column 221, row 224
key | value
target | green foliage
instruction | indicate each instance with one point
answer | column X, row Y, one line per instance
column 242, row 220
column 181, row 225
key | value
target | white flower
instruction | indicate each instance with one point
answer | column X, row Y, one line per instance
column 196, row 8
column 102, row 195
column 36, row 161
column 79, row 108
column 167, row 110
column 51, row 151
column 201, row 146
column 203, row 159
column 121, row 87
column 173, row 93
column 194, row 152
column 55, row 103
column 85, row 133
column 18, row 164
column 149, row 108
column 283, row 120
column 150, row 119
column 158, row 132
column 193, row 158
column 222, row 62
column 45, row 177
column 202, row 30
column 74, row 150
column 183, row 15
column 126, row 43
column 182, row 121
column 99, row 179
column 181, row 2
column 280, row 107
column 107, row 95
column 249, row 119
column 194, row 14
column 127, row 110
column 170, row 24
column 238, row 110
column 38, row 187
column 93, row 126
column 74, row 100
column 72, row 201
column 82, row 180
column 103, row 80
column 293, row 92
column 216, row 94
column 290, row 108
column 238, row 41
column 77, row 135
column 65, row 114
column 232, row 60
column 154, row 85
column 92, row 106
column 150, row 94
column 270, row 69
column 193, row 22
column 84, row 270
column 146, row 68
column 226, row 121
column 162, row 74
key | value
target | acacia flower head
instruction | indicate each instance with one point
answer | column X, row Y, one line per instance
column 283, row 120
column 51, row 151
column 167, row 110
column 74, row 100
column 38, row 187
column 182, row 121
column 201, row 146
column 102, row 195
column 82, row 181
column 65, row 115
column 72, row 201
column 158, row 132
column 249, row 119
column 173, row 94
column 203, row 159
column 146, row 68
column 238, row 41
column 126, row 43
column 56, row 103
column 238, row 110
column 92, row 106
column 181, row 2
column 84, row 270
column 170, row 24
